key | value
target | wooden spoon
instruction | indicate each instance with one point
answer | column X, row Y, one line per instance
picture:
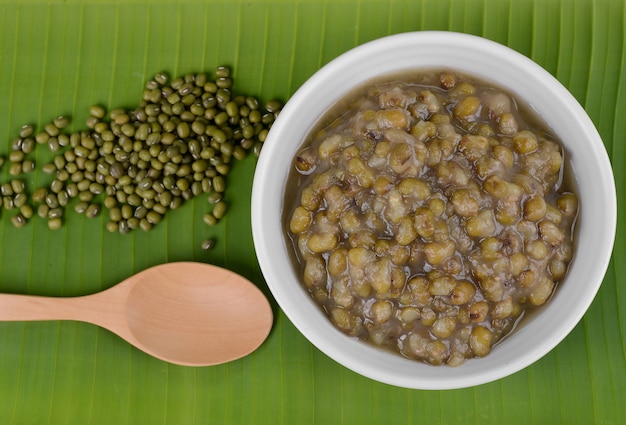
column 186, row 313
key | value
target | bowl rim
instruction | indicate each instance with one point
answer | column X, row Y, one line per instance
column 268, row 174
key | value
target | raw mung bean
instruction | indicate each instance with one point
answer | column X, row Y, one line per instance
column 28, row 144
column 20, row 200
column 133, row 223
column 27, row 166
column 7, row 203
column 219, row 210
column 6, row 189
column 153, row 217
column 61, row 122
column 92, row 211
column 55, row 223
column 17, row 186
column 97, row 111
column 42, row 210
column 16, row 156
column 19, row 220
column 215, row 197
column 27, row 130
column 177, row 144
column 81, row 207
column 39, row 195
column 145, row 225
column 208, row 244
column 86, row 196
column 51, row 129
column 219, row 185
column 52, row 200
column 26, row 211
column 42, row 137
column 209, row 219
column 55, row 212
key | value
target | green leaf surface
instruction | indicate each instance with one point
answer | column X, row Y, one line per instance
column 60, row 57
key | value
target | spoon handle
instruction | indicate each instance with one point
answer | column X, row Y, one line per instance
column 89, row 308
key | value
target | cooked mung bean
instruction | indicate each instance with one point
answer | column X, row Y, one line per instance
column 429, row 216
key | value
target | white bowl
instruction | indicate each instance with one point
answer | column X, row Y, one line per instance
column 536, row 335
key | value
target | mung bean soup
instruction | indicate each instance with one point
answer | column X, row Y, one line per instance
column 431, row 212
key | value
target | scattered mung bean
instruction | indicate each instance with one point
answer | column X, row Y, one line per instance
column 219, row 210
column 208, row 244
column 55, row 223
column 19, row 220
column 93, row 210
column 140, row 163
column 26, row 211
column 209, row 219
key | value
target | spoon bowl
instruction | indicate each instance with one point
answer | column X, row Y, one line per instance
column 186, row 313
